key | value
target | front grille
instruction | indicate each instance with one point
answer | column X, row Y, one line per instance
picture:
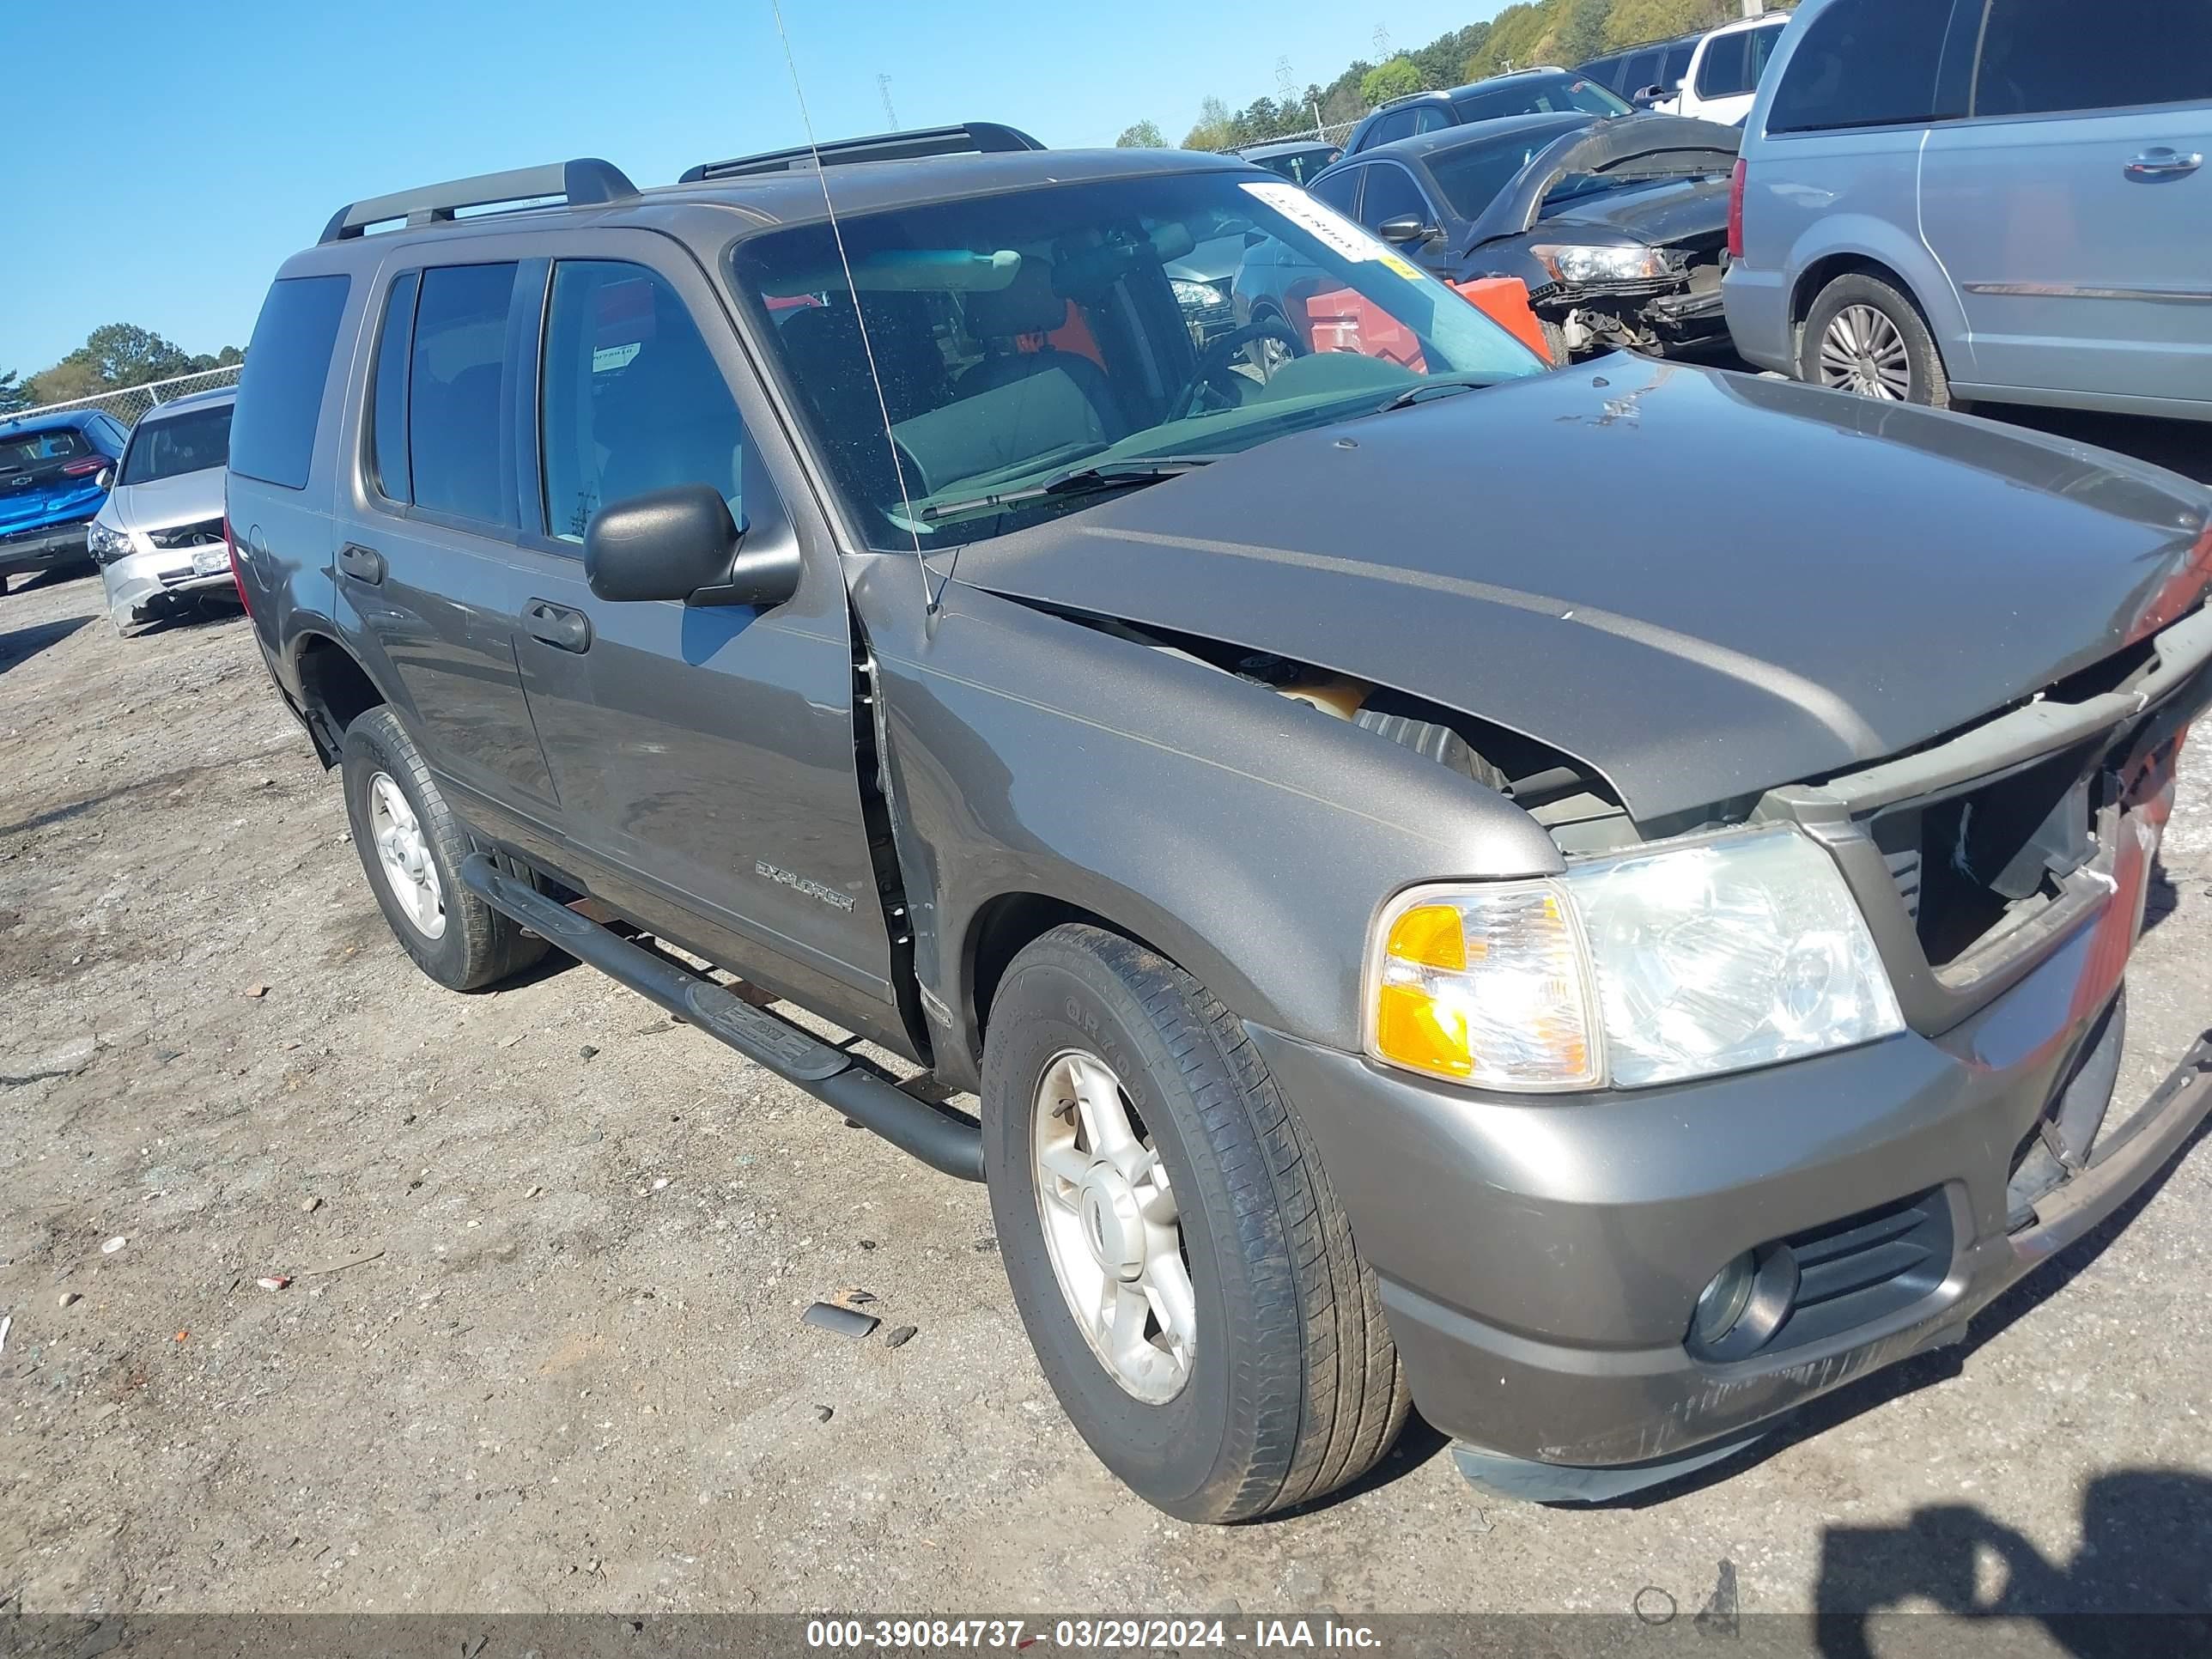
column 1972, row 862
column 1852, row 1272
column 202, row 534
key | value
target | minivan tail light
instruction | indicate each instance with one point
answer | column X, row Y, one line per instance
column 1735, row 211
column 237, row 574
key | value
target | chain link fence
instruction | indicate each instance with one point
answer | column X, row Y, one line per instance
column 130, row 404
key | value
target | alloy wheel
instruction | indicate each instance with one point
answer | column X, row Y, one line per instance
column 1862, row 351
column 404, row 852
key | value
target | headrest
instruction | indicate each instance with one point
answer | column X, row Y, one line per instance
column 1027, row 304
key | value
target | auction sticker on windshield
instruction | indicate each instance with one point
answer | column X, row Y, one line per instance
column 1307, row 214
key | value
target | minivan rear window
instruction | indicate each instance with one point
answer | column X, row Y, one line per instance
column 280, row 391
column 1862, row 63
column 2045, row 57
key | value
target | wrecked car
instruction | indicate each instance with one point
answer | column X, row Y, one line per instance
column 1409, row 936
column 1617, row 227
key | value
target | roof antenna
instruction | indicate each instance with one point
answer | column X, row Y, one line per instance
column 883, row 404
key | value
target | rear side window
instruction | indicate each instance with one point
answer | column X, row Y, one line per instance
column 633, row 400
column 1399, row 124
column 280, row 392
column 1863, row 64
column 459, row 426
column 1605, row 71
column 1644, row 70
column 388, row 429
column 2041, row 57
column 1734, row 62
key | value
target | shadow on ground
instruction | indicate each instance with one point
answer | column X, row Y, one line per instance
column 19, row 645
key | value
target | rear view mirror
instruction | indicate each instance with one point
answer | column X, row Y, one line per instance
column 104, row 478
column 1405, row 229
column 682, row 545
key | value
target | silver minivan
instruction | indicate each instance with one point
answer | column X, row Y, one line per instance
column 1946, row 200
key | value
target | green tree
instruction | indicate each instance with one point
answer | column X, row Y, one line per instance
column 1212, row 130
column 1137, row 134
column 1581, row 34
column 13, row 393
column 125, row 353
column 1392, row 80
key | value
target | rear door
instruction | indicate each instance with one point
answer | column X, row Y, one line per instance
column 2072, row 210
column 430, row 568
column 704, row 755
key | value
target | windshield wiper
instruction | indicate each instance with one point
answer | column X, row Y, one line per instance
column 1079, row 481
column 1413, row 394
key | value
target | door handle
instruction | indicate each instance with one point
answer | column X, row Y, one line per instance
column 362, row 563
column 557, row 625
column 2164, row 163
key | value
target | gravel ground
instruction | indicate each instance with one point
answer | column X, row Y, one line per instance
column 541, row 1348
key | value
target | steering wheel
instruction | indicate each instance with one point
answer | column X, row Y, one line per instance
column 1213, row 362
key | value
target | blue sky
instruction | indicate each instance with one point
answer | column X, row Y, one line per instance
column 215, row 139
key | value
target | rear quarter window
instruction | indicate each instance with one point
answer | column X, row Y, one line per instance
column 280, row 391
column 1862, row 63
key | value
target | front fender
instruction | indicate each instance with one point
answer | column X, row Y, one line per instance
column 1249, row 837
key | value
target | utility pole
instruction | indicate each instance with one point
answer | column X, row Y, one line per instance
column 884, row 86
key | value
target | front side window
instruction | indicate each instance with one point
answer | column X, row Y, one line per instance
column 632, row 399
column 1392, row 194
column 1862, row 63
column 1677, row 65
column 169, row 446
column 1031, row 348
column 1399, row 124
column 1340, row 189
column 280, row 391
column 2046, row 56
column 460, row 440
column 1644, row 70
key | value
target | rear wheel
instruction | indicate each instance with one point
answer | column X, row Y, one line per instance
column 1862, row 336
column 1183, row 1270
column 412, row 847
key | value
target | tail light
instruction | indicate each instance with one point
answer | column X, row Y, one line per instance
column 85, row 468
column 1735, row 210
column 237, row 572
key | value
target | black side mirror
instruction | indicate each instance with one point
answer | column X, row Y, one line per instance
column 681, row 544
column 1646, row 96
column 1405, row 229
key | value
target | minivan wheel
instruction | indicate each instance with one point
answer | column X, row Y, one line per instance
column 1862, row 336
column 1183, row 1270
column 412, row 847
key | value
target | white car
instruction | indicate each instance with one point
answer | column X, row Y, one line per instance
column 158, row 539
column 1722, row 78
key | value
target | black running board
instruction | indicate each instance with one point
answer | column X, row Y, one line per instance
column 944, row 1140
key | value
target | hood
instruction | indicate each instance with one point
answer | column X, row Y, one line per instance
column 1702, row 584
column 1675, row 213
column 184, row 498
column 1665, row 146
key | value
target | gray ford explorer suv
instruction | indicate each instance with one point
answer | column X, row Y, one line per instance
column 1414, row 936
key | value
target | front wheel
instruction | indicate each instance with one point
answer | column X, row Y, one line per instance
column 1185, row 1275
column 1862, row 336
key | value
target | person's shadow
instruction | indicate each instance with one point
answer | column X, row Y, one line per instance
column 2141, row 1583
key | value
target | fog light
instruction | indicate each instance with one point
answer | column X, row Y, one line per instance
column 1721, row 1303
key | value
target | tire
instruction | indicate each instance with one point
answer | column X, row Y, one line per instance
column 1293, row 1386
column 1903, row 365
column 467, row 945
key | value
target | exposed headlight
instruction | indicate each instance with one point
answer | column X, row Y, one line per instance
column 1601, row 265
column 1712, row 956
column 1198, row 296
column 105, row 544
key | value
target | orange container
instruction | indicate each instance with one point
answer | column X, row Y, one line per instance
column 1505, row 300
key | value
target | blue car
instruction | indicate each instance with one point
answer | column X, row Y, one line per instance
column 54, row 474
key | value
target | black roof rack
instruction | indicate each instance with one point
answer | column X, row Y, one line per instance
column 968, row 139
column 586, row 182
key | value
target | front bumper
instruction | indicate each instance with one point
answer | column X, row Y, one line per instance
column 42, row 549
column 141, row 585
column 1539, row 1262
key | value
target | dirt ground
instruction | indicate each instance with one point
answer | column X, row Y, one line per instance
column 541, row 1349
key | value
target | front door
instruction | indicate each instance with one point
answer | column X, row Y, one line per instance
column 704, row 755
column 2072, row 210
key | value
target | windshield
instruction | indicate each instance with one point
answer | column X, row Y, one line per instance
column 1298, row 166
column 1471, row 178
column 1550, row 95
column 1021, row 335
column 30, row 449
column 163, row 447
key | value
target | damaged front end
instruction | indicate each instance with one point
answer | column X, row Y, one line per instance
column 1659, row 302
